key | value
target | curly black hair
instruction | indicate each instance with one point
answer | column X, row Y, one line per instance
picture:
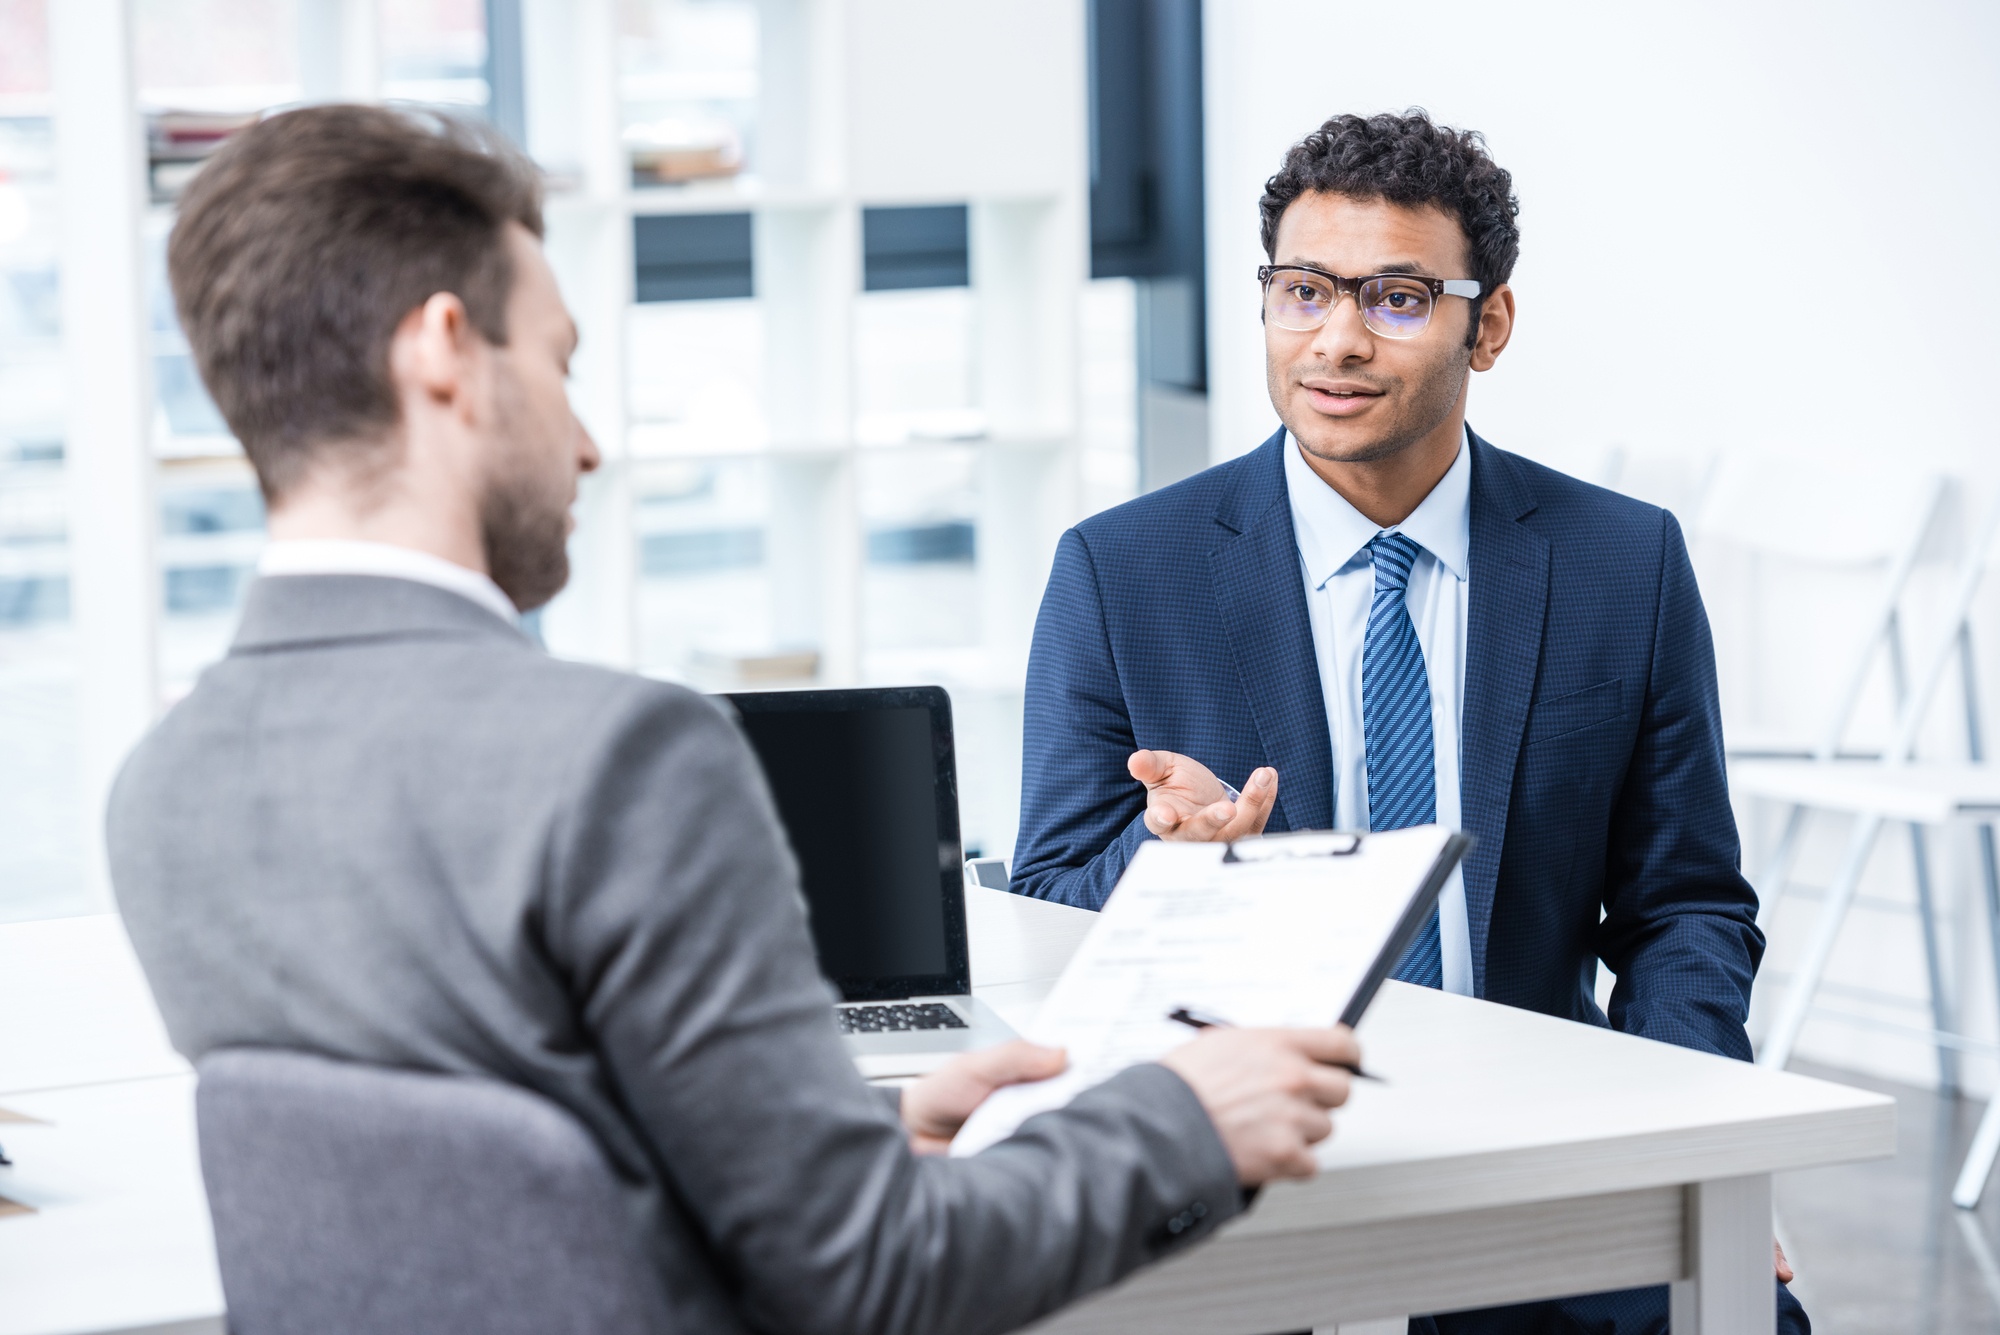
column 1412, row 160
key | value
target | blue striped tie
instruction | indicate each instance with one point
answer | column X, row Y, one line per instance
column 1396, row 728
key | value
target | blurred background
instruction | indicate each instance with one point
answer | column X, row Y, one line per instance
column 878, row 296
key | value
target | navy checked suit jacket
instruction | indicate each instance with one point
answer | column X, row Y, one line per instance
column 1592, row 766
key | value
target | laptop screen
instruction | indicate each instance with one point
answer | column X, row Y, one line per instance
column 867, row 791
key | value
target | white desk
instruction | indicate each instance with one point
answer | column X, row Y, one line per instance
column 75, row 1009
column 1019, row 945
column 1543, row 1158
column 120, row 1241
column 1540, row 1157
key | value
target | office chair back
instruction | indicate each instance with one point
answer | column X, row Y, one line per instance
column 370, row 1201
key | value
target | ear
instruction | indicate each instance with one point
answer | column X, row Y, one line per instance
column 1496, row 326
column 428, row 354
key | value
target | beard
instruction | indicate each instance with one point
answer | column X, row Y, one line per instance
column 526, row 535
column 524, row 515
column 1420, row 404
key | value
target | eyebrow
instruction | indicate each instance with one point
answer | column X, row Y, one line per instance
column 1394, row 266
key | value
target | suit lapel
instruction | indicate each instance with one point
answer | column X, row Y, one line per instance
column 1261, row 594
column 1508, row 578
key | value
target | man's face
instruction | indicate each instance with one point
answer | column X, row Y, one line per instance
column 538, row 447
column 1348, row 394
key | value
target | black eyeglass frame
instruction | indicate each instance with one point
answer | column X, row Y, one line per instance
column 1469, row 288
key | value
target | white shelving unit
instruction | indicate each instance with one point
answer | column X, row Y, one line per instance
column 799, row 441
column 862, row 103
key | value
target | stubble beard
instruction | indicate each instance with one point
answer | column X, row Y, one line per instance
column 1431, row 403
column 527, row 544
column 523, row 517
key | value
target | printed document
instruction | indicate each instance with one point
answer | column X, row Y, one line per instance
column 1286, row 930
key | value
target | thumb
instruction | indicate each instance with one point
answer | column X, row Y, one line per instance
column 1150, row 767
column 1327, row 1046
column 1018, row 1061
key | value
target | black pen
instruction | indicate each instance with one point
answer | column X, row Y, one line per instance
column 1196, row 1020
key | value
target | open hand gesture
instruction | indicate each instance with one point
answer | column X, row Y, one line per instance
column 1184, row 799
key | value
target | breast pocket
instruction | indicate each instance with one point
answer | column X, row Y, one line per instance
column 1562, row 715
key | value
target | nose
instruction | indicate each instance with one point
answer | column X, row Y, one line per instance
column 587, row 455
column 1345, row 336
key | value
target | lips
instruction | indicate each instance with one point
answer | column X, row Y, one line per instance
column 1341, row 400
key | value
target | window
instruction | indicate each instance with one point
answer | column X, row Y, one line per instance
column 41, row 814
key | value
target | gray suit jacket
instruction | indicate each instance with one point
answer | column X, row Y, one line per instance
column 389, row 828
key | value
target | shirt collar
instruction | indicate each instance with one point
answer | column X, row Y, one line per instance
column 1331, row 533
column 345, row 556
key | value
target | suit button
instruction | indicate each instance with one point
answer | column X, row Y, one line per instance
column 1198, row 1210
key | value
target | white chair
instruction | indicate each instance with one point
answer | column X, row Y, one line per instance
column 1894, row 788
column 1783, row 509
column 1675, row 482
column 1778, row 508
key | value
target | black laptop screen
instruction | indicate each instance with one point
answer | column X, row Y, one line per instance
column 865, row 785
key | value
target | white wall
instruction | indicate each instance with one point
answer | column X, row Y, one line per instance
column 1816, row 158
column 1831, row 168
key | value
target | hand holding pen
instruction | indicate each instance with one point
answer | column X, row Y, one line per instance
column 1194, row 1019
column 1269, row 1093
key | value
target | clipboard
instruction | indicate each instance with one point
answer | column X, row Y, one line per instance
column 1278, row 930
column 1340, row 844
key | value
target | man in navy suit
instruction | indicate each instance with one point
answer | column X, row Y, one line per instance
column 1378, row 619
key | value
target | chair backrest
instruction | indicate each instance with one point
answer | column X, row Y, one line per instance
column 1860, row 518
column 1676, row 482
column 1803, row 509
column 1953, row 644
column 370, row 1201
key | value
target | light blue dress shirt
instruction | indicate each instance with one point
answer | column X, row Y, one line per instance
column 1340, row 583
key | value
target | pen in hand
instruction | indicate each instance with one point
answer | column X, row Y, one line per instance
column 1196, row 1020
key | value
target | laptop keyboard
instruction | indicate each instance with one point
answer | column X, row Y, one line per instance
column 897, row 1018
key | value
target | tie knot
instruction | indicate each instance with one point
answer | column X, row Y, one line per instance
column 1393, row 555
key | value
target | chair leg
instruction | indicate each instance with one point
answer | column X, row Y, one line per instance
column 1986, row 1141
column 1770, row 886
column 1784, row 1033
column 1979, row 1160
column 1989, row 877
column 1947, row 1057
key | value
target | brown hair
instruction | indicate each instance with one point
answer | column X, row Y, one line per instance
column 306, row 240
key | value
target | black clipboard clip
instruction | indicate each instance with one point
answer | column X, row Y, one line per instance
column 1286, row 847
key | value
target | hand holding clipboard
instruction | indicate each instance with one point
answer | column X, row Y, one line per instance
column 1275, row 931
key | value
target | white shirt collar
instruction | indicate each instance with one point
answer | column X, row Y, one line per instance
column 345, row 556
column 1331, row 532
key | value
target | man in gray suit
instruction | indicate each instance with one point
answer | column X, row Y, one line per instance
column 388, row 828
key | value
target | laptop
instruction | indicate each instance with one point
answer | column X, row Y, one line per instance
column 866, row 785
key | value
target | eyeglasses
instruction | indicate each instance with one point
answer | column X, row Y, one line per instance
column 1394, row 305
